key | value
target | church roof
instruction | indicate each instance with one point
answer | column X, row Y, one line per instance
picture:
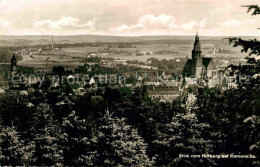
column 208, row 63
column 198, row 60
column 188, row 63
column 211, row 65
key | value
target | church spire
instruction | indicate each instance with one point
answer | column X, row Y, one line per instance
column 196, row 52
column 13, row 63
column 197, row 43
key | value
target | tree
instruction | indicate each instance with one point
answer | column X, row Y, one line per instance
column 252, row 120
column 80, row 140
column 48, row 150
column 46, row 133
column 14, row 151
column 14, row 113
column 253, row 45
column 59, row 70
column 185, row 135
column 119, row 144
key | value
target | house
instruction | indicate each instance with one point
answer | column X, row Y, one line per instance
column 256, row 76
column 122, row 62
column 23, row 93
column 80, row 91
column 153, row 83
column 171, row 83
column 92, row 82
column 30, row 105
column 66, row 100
column 232, row 82
column 2, row 91
column 162, row 92
column 129, row 85
column 31, row 91
column 190, row 101
column 54, row 88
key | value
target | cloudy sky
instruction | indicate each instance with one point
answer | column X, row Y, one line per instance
column 127, row 17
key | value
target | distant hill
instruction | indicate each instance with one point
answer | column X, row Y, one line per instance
column 29, row 40
column 7, row 40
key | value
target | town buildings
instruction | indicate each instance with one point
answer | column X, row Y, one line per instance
column 159, row 87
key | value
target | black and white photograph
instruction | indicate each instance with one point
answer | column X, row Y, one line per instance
column 142, row 83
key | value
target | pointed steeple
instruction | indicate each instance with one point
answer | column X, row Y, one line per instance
column 13, row 63
column 197, row 43
column 197, row 66
column 196, row 52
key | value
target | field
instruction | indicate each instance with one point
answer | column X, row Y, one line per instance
column 46, row 62
column 161, row 47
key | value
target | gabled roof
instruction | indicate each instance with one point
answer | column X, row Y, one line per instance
column 2, row 90
column 188, row 63
column 70, row 77
column 24, row 92
column 162, row 90
column 65, row 101
column 54, row 86
column 208, row 63
column 162, row 101
column 92, row 81
column 211, row 65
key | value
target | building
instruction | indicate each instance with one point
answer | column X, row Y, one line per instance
column 168, row 94
column 199, row 66
column 122, row 62
column 13, row 64
column 14, row 82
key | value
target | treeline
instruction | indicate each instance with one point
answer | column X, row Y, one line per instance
column 92, row 60
column 96, row 59
column 234, row 118
column 128, row 130
column 5, row 56
column 98, row 69
column 169, row 66
column 5, row 72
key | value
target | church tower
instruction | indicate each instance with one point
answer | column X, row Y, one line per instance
column 196, row 52
column 196, row 58
column 13, row 70
column 13, row 64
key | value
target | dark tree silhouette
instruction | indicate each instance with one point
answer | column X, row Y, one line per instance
column 252, row 101
column 252, row 46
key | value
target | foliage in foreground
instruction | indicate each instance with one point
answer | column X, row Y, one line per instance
column 132, row 131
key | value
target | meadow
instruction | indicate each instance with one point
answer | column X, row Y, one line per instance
column 157, row 47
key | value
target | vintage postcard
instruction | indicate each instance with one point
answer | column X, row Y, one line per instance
column 130, row 83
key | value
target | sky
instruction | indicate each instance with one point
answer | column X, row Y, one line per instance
column 128, row 17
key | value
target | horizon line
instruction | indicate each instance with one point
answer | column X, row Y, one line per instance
column 133, row 36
